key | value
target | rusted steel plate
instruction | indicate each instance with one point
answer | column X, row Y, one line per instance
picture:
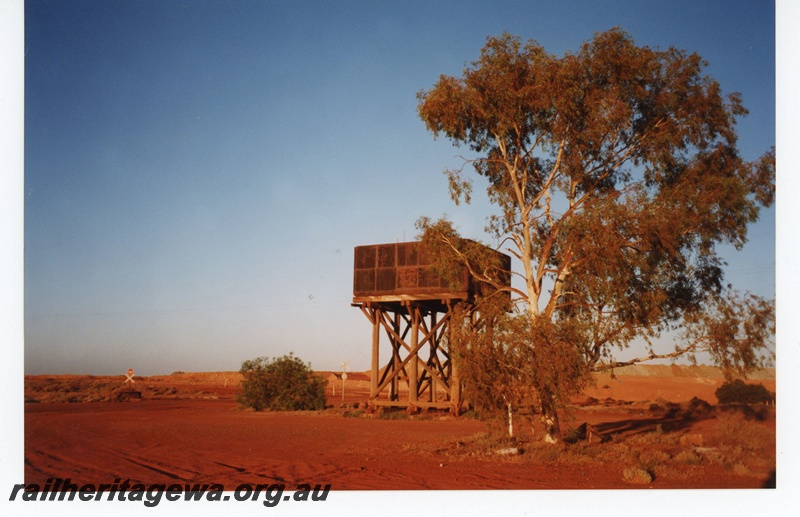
column 402, row 269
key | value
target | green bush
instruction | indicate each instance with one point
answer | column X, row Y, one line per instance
column 738, row 392
column 280, row 384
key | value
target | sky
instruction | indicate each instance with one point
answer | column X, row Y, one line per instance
column 197, row 173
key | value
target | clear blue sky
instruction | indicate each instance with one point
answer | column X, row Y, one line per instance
column 197, row 173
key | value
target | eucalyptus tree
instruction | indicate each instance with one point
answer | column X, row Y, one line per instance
column 616, row 177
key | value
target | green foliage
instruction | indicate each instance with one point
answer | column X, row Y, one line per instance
column 739, row 392
column 736, row 330
column 505, row 358
column 616, row 176
column 280, row 384
column 449, row 254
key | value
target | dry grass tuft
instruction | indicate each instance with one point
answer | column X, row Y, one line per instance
column 736, row 430
column 651, row 458
column 637, row 476
column 689, row 457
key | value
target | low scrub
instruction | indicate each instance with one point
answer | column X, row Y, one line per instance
column 698, row 408
column 280, row 384
column 739, row 392
column 740, row 445
column 695, row 409
column 637, row 476
column 735, row 431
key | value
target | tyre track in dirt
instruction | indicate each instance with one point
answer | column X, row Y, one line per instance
column 212, row 441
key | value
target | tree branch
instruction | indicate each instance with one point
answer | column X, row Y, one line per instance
column 602, row 367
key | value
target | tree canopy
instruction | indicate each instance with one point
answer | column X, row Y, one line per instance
column 616, row 175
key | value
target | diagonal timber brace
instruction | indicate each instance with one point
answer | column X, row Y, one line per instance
column 419, row 371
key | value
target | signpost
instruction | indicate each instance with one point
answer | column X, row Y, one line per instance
column 129, row 376
column 344, row 377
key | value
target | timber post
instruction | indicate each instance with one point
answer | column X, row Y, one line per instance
column 413, row 387
column 397, row 291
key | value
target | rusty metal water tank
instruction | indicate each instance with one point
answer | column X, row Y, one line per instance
column 402, row 271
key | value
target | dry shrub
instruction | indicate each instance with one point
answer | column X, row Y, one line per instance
column 587, row 450
column 669, row 472
column 744, row 446
column 637, row 476
column 698, row 408
column 739, row 445
column 583, row 453
column 280, row 384
column 689, row 458
column 734, row 430
column 664, row 408
column 656, row 437
column 81, row 389
column 740, row 469
column 650, row 458
column 750, row 412
column 542, row 453
column 739, row 392
column 618, row 452
column 485, row 443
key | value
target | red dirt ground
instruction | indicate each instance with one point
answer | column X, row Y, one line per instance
column 188, row 429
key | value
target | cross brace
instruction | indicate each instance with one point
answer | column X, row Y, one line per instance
column 419, row 372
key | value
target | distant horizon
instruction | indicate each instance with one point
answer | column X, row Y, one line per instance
column 367, row 371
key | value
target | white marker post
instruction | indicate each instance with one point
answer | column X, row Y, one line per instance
column 344, row 377
column 510, row 421
column 129, row 376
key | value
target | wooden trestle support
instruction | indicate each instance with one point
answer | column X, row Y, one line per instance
column 418, row 360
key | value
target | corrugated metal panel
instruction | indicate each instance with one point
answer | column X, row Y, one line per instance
column 402, row 269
